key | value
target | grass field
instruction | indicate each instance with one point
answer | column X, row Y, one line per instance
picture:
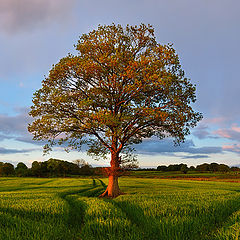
column 189, row 175
column 32, row 208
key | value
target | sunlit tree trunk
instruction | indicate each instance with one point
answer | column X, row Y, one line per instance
column 113, row 189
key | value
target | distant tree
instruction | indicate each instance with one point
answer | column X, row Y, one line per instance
column 184, row 168
column 214, row 167
column 235, row 169
column 203, row 167
column 55, row 167
column 8, row 169
column 21, row 169
column 223, row 168
column 162, row 168
column 21, row 165
column 86, row 170
column 36, row 169
column 80, row 162
column 1, row 168
column 192, row 168
column 84, row 167
column 174, row 167
column 121, row 88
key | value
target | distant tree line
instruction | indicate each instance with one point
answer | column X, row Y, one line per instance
column 205, row 167
column 49, row 168
column 60, row 168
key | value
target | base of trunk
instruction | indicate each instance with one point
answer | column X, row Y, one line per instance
column 112, row 190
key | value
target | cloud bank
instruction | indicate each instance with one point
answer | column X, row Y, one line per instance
column 154, row 147
column 15, row 127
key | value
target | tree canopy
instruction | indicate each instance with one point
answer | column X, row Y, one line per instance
column 120, row 88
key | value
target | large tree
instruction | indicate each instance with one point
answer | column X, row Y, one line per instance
column 120, row 88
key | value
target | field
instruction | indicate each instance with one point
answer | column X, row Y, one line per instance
column 234, row 176
column 37, row 208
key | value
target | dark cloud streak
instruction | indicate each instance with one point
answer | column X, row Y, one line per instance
column 13, row 151
column 195, row 157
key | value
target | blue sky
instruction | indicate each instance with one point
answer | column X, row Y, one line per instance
column 34, row 34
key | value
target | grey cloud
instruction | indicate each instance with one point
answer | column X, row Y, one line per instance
column 24, row 15
column 207, row 150
column 15, row 127
column 12, row 151
column 201, row 132
column 15, row 124
column 154, row 147
column 195, row 156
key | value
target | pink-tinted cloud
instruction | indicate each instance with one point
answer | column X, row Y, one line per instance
column 232, row 148
column 235, row 128
column 217, row 120
column 232, row 133
column 203, row 130
column 22, row 15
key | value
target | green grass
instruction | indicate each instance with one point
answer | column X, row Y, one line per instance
column 152, row 209
column 178, row 174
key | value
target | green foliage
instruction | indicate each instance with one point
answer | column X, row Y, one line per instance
column 8, row 169
column 205, row 167
column 1, row 168
column 21, row 170
column 173, row 167
column 21, row 165
column 184, row 168
column 213, row 167
column 36, row 169
column 59, row 168
column 223, row 168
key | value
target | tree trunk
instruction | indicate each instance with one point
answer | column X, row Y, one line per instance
column 113, row 189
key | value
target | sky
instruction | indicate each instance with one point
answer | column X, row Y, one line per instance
column 35, row 34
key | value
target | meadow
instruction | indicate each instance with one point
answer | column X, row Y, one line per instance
column 151, row 209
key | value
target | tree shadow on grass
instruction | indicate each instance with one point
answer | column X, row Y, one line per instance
column 94, row 182
column 27, row 214
column 102, row 183
column 18, row 224
column 76, row 212
column 27, row 220
column 76, row 207
column 176, row 225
